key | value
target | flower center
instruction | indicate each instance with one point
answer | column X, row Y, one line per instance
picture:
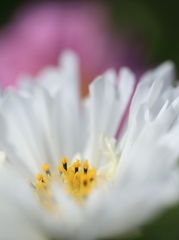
column 77, row 180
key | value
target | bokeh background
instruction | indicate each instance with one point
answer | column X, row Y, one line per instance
column 139, row 34
column 109, row 33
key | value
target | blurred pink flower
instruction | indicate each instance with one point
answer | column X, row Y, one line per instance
column 38, row 33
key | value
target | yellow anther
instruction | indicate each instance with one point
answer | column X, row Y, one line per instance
column 64, row 160
column 45, row 167
column 85, row 164
column 39, row 176
column 77, row 163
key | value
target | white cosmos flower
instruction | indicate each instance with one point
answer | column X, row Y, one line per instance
column 136, row 175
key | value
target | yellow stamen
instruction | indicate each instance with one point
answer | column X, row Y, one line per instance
column 39, row 176
column 77, row 164
column 76, row 181
column 85, row 165
column 45, row 167
column 64, row 160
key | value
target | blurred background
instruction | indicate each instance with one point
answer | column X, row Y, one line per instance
column 139, row 34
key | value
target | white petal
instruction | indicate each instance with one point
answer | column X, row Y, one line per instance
column 19, row 219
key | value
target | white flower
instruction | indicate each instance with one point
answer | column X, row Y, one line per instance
column 136, row 175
